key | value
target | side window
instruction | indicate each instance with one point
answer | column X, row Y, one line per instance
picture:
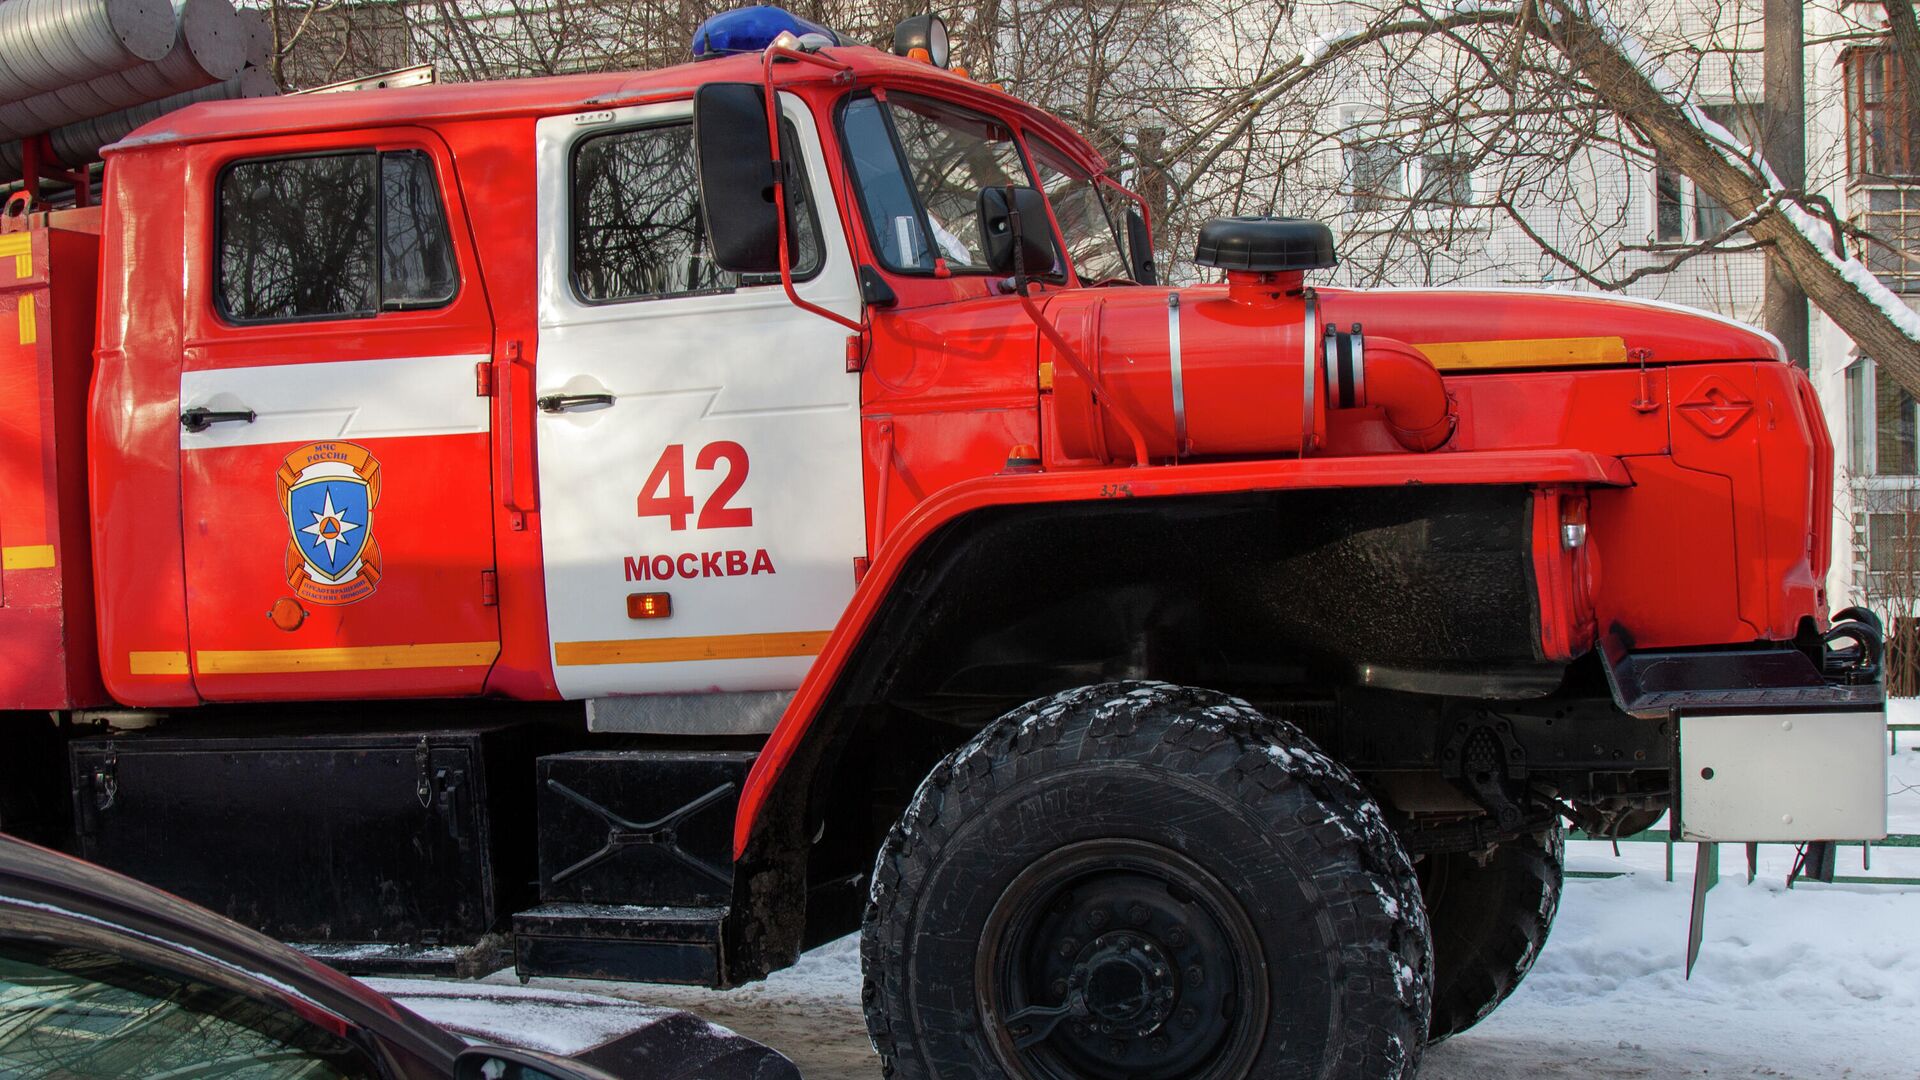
column 1088, row 222
column 950, row 154
column 637, row 229
column 416, row 253
column 331, row 236
column 68, row 1012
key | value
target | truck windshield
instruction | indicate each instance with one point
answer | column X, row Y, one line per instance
column 922, row 199
column 1092, row 220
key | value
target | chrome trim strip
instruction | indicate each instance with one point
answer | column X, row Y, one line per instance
column 1359, row 367
column 1179, row 383
column 1309, row 369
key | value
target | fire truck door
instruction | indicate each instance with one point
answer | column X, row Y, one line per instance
column 698, row 434
column 335, row 462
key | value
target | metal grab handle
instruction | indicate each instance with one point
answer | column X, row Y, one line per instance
column 200, row 419
column 554, row 403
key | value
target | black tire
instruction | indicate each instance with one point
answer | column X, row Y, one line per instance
column 1489, row 923
column 1260, row 918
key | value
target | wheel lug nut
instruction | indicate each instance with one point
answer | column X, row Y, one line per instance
column 1068, row 947
column 1137, row 914
column 1059, row 987
column 1119, row 1048
column 1177, row 936
column 1097, row 918
column 1188, row 1018
column 1158, row 1044
column 1195, row 975
column 1079, row 1029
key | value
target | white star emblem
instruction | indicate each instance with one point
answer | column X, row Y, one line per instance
column 330, row 526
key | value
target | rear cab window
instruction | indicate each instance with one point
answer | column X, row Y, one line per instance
column 331, row 236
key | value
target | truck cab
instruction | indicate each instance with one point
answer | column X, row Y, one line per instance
column 709, row 508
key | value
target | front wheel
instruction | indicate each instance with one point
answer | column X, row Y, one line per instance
column 1146, row 881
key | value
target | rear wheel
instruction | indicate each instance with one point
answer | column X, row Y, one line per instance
column 1490, row 919
column 1145, row 881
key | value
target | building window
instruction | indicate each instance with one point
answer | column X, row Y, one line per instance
column 1376, row 175
column 328, row 236
column 1883, row 125
column 1892, row 214
column 1684, row 214
column 1891, row 543
column 1446, row 179
column 1883, row 424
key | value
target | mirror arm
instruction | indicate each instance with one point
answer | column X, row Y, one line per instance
column 780, row 177
column 1139, row 200
column 1059, row 341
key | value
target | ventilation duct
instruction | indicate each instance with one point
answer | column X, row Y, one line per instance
column 49, row 44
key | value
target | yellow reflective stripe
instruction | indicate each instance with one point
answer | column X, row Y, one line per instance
column 674, row 650
column 29, row 333
column 439, row 654
column 157, row 663
column 20, row 246
column 1524, row 353
column 27, row 557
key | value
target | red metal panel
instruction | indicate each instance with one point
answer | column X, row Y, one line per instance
column 413, row 621
column 47, row 290
column 133, row 435
column 1485, row 467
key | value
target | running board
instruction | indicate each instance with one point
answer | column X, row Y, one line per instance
column 621, row 942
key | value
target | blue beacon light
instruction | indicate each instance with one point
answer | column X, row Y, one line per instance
column 750, row 30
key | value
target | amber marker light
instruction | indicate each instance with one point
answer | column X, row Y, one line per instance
column 649, row 605
column 1023, row 456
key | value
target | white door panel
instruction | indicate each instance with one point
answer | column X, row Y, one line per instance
column 716, row 380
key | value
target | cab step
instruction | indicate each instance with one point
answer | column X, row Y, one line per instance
column 624, row 942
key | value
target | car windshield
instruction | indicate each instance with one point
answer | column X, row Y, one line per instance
column 72, row 1013
column 949, row 155
column 1090, row 216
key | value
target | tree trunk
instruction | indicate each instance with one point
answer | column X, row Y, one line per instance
column 1662, row 123
column 1784, row 145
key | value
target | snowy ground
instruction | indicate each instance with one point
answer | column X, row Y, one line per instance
column 1820, row 981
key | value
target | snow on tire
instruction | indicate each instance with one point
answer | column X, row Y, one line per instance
column 1151, row 881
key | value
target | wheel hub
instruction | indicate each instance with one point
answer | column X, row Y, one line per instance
column 1127, row 984
column 1123, row 959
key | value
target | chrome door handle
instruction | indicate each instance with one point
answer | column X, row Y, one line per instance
column 554, row 403
column 200, row 419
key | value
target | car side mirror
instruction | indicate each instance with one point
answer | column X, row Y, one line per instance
column 506, row 1063
column 1014, row 219
column 1140, row 249
column 734, row 160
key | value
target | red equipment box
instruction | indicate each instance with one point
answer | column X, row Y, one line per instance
column 49, row 265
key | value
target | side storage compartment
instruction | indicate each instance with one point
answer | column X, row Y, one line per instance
column 407, row 838
column 636, row 865
column 49, row 275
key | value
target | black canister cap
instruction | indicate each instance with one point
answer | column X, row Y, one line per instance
column 1265, row 244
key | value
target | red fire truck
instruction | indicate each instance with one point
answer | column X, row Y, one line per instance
column 637, row 526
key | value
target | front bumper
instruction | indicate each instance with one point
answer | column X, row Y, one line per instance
column 1775, row 744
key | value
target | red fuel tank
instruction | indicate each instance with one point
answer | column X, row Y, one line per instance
column 1249, row 368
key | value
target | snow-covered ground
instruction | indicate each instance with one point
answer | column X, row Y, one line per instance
column 1817, row 981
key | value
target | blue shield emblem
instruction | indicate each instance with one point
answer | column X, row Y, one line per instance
column 331, row 520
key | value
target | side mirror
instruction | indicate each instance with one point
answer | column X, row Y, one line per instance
column 1015, row 218
column 505, row 1063
column 735, row 164
column 1140, row 249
